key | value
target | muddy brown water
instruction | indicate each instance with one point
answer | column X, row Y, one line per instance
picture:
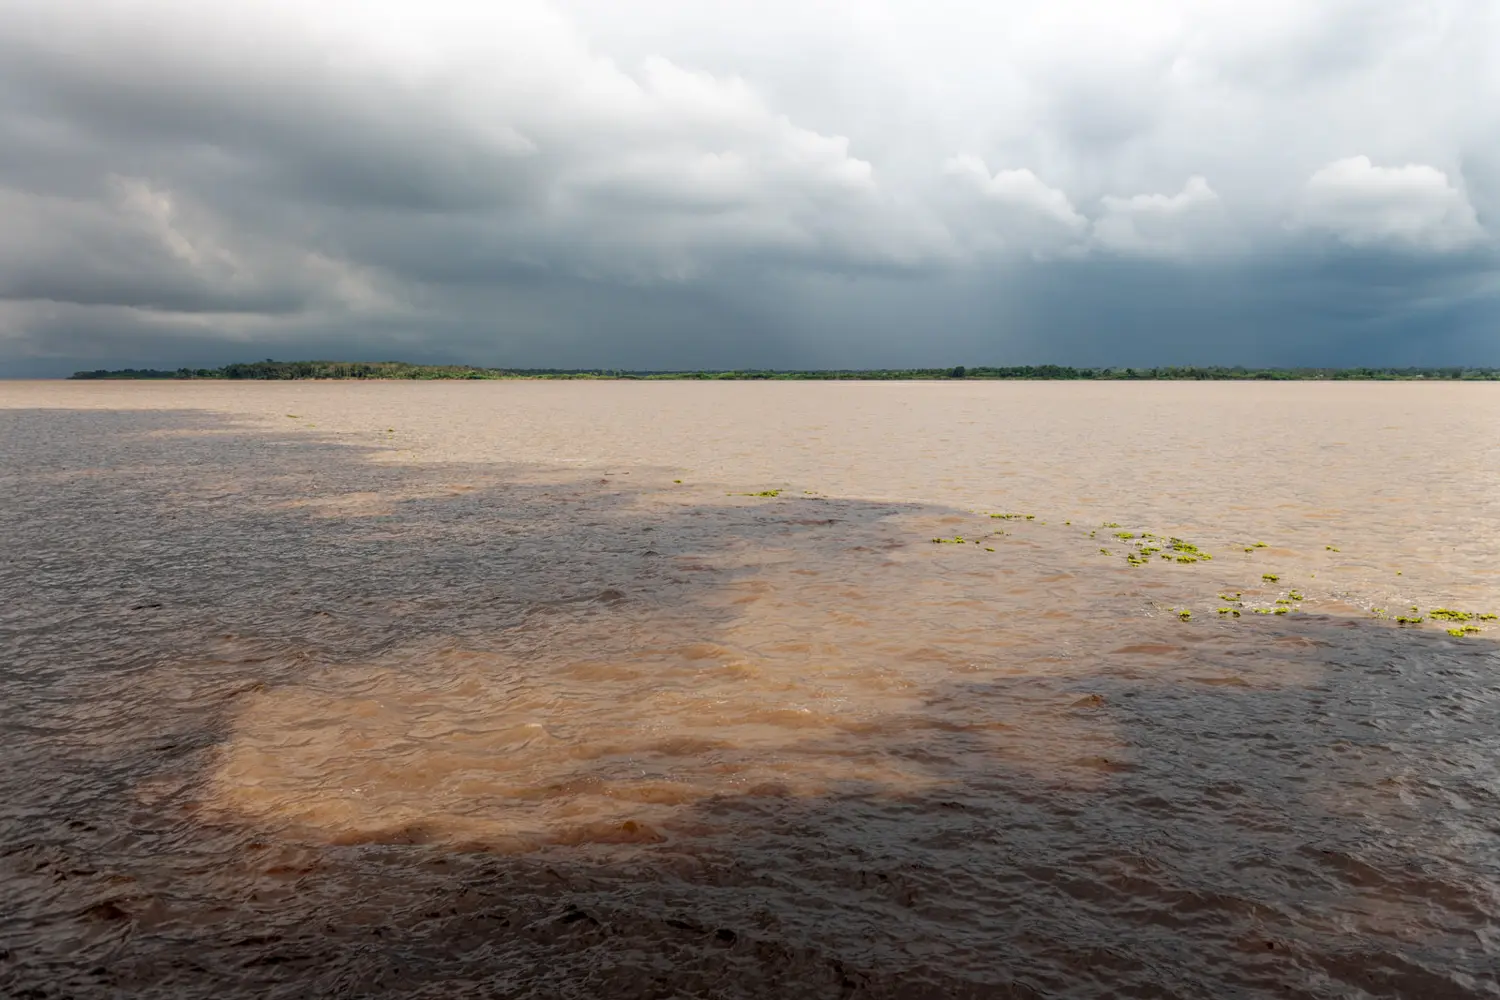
column 455, row 690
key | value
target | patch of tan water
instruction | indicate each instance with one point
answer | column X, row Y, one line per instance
column 499, row 708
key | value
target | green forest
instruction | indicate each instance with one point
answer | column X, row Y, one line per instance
column 284, row 370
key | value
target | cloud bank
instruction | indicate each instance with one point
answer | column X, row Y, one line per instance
column 664, row 184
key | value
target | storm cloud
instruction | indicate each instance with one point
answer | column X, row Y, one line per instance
column 853, row 183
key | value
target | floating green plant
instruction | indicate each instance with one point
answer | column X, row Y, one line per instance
column 1259, row 545
column 1262, row 611
column 1295, row 595
column 1329, row 548
column 1185, row 614
column 762, row 493
column 1109, row 524
column 1280, row 611
column 1186, row 559
column 1282, row 600
column 955, row 540
column 1178, row 545
column 1269, row 577
column 677, row 480
column 988, row 549
column 1226, row 597
column 1448, row 614
column 1489, row 617
column 1124, row 535
column 1104, row 552
column 1463, row 630
column 1406, row 620
column 1229, row 611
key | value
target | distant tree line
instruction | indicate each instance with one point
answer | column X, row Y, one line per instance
column 288, row 370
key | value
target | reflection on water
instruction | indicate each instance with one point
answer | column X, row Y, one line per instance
column 290, row 714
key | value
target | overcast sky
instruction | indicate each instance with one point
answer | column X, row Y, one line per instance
column 735, row 183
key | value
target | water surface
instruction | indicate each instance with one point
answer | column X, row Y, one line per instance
column 511, row 689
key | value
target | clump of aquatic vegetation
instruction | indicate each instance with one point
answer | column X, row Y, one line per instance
column 1448, row 614
column 1144, row 544
column 1459, row 622
column 1184, row 552
column 1014, row 517
column 762, row 493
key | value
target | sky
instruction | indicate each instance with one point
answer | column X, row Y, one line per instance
column 749, row 183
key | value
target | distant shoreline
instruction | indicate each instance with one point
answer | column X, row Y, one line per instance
column 276, row 371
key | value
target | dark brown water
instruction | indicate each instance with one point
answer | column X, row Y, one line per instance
column 458, row 693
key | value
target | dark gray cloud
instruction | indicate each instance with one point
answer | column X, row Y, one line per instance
column 778, row 184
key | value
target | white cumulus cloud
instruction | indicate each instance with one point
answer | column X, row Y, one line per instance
column 1012, row 209
column 1413, row 205
column 1190, row 221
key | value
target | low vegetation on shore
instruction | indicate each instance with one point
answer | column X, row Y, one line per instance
column 285, row 370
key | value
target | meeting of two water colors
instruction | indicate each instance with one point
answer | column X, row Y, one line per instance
column 664, row 689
